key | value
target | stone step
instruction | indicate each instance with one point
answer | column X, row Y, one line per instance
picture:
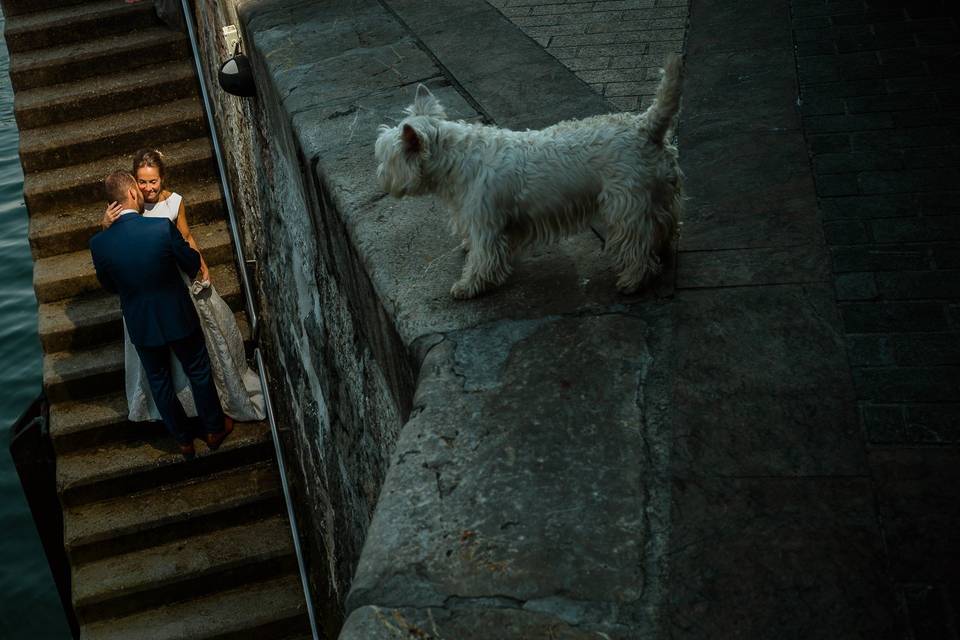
column 70, row 229
column 87, row 373
column 88, row 98
column 83, row 374
column 183, row 569
column 74, row 375
column 92, row 422
column 266, row 610
column 95, row 421
column 69, row 143
column 72, row 274
column 62, row 25
column 105, row 55
column 171, row 512
column 20, row 7
column 91, row 320
column 64, row 187
column 117, row 469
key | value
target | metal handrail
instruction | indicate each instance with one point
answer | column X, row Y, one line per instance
column 282, row 467
column 224, row 176
column 251, row 314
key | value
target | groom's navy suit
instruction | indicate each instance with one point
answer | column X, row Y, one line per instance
column 138, row 258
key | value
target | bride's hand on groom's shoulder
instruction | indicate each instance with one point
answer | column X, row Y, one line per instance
column 110, row 214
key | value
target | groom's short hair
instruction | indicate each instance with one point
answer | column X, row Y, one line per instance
column 116, row 185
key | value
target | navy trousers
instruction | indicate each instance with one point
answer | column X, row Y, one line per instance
column 192, row 354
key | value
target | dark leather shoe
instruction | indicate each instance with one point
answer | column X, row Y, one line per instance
column 214, row 440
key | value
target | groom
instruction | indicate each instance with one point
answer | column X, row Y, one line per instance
column 137, row 258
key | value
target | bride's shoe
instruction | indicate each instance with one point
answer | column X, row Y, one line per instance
column 214, row 440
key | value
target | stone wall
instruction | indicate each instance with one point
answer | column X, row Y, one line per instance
column 321, row 326
column 339, row 384
column 239, row 126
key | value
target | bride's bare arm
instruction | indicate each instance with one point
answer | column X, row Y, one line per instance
column 184, row 229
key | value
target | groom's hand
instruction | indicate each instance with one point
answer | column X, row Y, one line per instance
column 110, row 214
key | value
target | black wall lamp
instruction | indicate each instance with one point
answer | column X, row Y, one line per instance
column 235, row 75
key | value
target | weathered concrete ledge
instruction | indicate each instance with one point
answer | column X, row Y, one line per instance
column 515, row 481
column 527, row 479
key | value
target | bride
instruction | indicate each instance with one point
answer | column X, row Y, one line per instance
column 238, row 387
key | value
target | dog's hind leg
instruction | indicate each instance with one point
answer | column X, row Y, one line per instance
column 632, row 237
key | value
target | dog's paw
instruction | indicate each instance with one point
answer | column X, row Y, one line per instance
column 463, row 290
column 629, row 287
column 632, row 282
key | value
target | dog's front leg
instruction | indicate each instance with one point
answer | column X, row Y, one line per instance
column 457, row 228
column 487, row 265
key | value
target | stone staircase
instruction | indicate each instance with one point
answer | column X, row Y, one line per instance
column 160, row 548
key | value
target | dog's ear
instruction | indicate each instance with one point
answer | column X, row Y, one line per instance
column 411, row 139
column 425, row 104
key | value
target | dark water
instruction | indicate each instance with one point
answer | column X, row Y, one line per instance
column 29, row 606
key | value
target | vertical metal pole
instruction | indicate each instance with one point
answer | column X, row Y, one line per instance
column 224, row 176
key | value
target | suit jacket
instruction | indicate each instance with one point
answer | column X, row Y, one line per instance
column 137, row 258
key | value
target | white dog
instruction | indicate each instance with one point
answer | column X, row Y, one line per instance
column 507, row 189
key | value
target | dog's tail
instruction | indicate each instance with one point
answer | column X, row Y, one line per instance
column 666, row 104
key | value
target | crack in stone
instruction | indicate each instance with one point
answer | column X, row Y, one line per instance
column 401, row 457
column 599, row 612
column 375, row 198
column 656, row 492
column 646, row 488
column 507, row 602
column 423, row 80
column 346, row 112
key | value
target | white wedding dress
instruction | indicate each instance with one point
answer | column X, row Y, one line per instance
column 238, row 387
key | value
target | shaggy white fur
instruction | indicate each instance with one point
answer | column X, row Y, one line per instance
column 507, row 189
